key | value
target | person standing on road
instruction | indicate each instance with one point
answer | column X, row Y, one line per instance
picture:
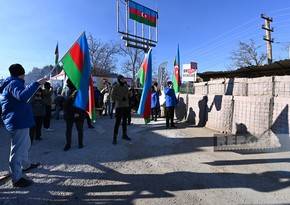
column 157, row 89
column 106, row 100
column 38, row 109
column 170, row 103
column 59, row 101
column 120, row 94
column 155, row 105
column 73, row 115
column 47, row 96
column 112, row 102
column 18, row 118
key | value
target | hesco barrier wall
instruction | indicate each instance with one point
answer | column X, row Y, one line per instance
column 239, row 105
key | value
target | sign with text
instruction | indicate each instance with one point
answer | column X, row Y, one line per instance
column 189, row 72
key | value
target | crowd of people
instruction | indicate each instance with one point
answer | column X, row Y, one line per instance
column 26, row 110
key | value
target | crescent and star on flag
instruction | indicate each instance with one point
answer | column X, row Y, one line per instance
column 176, row 69
column 143, row 15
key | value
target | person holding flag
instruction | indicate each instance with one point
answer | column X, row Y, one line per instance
column 76, row 64
column 14, row 100
column 73, row 115
column 170, row 103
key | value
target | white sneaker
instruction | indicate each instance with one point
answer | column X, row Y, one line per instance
column 49, row 130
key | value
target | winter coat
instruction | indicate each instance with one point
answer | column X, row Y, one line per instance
column 70, row 110
column 38, row 107
column 121, row 95
column 170, row 97
column 16, row 111
column 47, row 95
column 155, row 99
column 106, row 93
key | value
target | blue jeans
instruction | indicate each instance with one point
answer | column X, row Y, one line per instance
column 20, row 144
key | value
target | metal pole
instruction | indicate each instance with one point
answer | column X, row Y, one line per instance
column 157, row 25
column 118, row 26
column 127, row 18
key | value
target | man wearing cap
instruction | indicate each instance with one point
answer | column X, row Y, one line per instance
column 17, row 117
column 120, row 94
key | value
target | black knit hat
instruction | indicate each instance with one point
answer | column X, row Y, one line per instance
column 120, row 77
column 16, row 70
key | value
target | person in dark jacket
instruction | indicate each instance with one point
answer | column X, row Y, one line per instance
column 17, row 117
column 73, row 115
column 38, row 109
column 170, row 103
column 47, row 96
column 120, row 94
column 59, row 101
column 155, row 105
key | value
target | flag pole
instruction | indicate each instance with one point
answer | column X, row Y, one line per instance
column 66, row 52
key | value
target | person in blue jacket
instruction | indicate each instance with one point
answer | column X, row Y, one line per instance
column 18, row 117
column 155, row 105
column 170, row 103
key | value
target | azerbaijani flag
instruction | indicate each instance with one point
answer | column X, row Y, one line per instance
column 145, row 75
column 176, row 75
column 142, row 14
column 77, row 66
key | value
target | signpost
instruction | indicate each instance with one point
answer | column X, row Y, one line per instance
column 189, row 72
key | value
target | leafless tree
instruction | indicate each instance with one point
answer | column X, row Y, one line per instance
column 133, row 60
column 103, row 55
column 247, row 55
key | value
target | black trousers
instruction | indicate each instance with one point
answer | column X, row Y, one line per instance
column 69, row 126
column 169, row 114
column 35, row 131
column 47, row 118
column 154, row 113
column 122, row 114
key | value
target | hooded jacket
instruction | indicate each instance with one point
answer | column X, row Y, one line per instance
column 170, row 97
column 16, row 111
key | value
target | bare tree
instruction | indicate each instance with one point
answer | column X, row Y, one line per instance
column 247, row 55
column 103, row 56
column 132, row 62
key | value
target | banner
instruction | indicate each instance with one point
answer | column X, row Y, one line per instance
column 162, row 73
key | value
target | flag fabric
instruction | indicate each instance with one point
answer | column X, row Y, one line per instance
column 77, row 66
column 176, row 75
column 146, row 80
column 142, row 14
column 56, row 54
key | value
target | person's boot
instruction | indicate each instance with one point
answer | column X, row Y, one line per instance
column 67, row 147
column 125, row 137
column 114, row 140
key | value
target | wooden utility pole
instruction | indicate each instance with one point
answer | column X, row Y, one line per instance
column 268, row 38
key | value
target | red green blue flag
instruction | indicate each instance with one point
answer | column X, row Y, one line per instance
column 77, row 66
column 176, row 74
column 142, row 14
column 145, row 75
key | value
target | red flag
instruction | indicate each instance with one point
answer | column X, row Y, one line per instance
column 77, row 66
column 145, row 101
column 176, row 75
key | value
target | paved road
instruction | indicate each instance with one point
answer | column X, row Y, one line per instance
column 159, row 166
